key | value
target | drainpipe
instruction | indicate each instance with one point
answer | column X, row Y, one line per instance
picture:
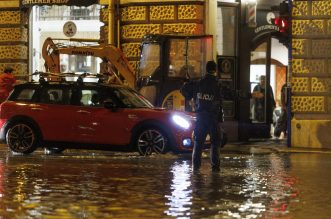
column 211, row 23
column 118, row 42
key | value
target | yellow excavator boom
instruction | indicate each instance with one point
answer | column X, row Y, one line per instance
column 108, row 53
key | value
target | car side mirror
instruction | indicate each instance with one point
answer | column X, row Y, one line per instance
column 108, row 104
column 153, row 82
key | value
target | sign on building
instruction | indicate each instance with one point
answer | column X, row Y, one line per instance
column 30, row 3
column 69, row 29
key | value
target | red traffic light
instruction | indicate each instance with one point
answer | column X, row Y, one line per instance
column 281, row 23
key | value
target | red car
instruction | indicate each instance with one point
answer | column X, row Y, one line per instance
column 60, row 115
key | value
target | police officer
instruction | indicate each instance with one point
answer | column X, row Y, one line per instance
column 207, row 96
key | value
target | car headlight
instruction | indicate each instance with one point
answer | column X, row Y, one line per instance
column 181, row 121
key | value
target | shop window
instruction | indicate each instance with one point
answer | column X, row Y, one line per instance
column 80, row 14
column 226, row 30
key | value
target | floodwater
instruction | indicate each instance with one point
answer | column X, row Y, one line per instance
column 98, row 184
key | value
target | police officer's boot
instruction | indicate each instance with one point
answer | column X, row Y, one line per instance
column 215, row 158
column 196, row 157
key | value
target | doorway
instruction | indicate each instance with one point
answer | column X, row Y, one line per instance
column 268, row 73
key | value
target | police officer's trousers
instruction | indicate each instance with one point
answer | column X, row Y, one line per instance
column 206, row 123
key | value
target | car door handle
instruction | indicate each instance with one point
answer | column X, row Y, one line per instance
column 132, row 116
column 37, row 109
column 83, row 111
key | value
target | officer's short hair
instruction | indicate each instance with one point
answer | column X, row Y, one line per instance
column 211, row 67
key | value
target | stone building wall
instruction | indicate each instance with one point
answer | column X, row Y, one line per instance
column 143, row 17
column 14, row 38
column 311, row 73
column 137, row 18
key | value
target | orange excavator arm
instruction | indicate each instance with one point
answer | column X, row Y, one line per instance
column 51, row 56
column 108, row 53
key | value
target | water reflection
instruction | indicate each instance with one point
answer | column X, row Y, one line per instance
column 282, row 186
column 2, row 171
column 90, row 185
column 267, row 187
column 247, row 187
column 194, row 194
column 180, row 200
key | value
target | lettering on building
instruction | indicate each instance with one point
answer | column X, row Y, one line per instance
column 266, row 27
column 28, row 3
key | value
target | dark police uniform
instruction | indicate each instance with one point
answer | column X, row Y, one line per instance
column 207, row 96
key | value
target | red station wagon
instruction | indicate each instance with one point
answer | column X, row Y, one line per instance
column 60, row 115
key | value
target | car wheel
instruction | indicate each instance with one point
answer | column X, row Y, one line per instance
column 22, row 138
column 151, row 140
column 53, row 150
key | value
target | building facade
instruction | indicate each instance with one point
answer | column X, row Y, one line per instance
column 245, row 46
column 310, row 78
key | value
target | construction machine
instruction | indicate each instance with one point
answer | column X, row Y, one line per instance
column 169, row 60
column 113, row 60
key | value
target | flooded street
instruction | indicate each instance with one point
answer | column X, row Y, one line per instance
column 98, row 184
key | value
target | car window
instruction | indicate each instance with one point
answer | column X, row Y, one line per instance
column 52, row 96
column 56, row 95
column 86, row 97
column 130, row 98
column 91, row 98
column 25, row 94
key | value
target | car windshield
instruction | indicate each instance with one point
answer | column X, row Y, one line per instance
column 131, row 99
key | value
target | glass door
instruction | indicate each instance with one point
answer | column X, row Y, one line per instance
column 258, row 80
column 267, row 77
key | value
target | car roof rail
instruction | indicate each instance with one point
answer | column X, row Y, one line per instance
column 43, row 76
column 101, row 77
column 46, row 77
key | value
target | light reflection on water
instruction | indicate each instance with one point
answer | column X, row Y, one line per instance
column 101, row 185
column 180, row 199
column 262, row 188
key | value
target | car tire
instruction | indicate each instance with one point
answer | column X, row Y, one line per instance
column 151, row 140
column 22, row 137
column 53, row 150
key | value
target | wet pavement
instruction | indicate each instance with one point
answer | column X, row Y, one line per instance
column 256, row 181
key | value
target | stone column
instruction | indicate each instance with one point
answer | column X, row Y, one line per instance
column 311, row 74
column 14, row 38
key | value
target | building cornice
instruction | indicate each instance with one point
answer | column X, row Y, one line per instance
column 9, row 4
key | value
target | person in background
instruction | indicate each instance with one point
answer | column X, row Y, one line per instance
column 207, row 95
column 261, row 113
column 281, row 123
column 7, row 82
